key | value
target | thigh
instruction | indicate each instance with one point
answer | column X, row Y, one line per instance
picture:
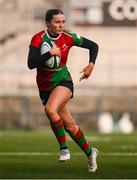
column 66, row 116
column 68, row 84
column 59, row 97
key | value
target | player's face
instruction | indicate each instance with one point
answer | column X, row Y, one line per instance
column 56, row 25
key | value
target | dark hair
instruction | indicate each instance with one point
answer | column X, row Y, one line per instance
column 51, row 12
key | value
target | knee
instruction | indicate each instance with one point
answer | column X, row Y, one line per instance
column 72, row 129
column 49, row 110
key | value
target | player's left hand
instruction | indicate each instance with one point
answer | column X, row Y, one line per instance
column 87, row 71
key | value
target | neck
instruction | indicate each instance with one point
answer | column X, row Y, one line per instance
column 52, row 35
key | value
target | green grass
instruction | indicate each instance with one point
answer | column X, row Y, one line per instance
column 46, row 166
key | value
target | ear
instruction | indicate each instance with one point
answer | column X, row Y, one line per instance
column 47, row 23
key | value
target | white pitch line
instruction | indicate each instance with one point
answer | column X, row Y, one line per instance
column 27, row 154
column 54, row 154
column 118, row 154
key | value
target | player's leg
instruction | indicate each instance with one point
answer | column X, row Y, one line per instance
column 78, row 136
column 74, row 131
column 57, row 99
column 59, row 96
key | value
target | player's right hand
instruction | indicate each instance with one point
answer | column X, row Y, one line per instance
column 55, row 51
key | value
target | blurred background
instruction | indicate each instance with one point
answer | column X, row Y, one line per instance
column 107, row 101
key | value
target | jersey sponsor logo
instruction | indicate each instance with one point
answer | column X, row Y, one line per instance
column 53, row 70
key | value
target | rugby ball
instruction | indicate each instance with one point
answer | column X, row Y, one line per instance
column 54, row 61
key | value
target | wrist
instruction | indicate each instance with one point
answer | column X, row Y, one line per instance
column 91, row 64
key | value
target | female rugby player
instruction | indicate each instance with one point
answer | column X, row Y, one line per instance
column 48, row 54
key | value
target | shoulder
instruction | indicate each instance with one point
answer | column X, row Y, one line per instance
column 37, row 39
column 77, row 39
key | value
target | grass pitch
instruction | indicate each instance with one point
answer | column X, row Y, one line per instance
column 34, row 155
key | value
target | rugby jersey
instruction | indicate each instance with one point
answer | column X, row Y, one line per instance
column 48, row 78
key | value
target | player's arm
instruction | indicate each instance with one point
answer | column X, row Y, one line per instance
column 93, row 49
column 93, row 52
column 88, row 44
column 36, row 60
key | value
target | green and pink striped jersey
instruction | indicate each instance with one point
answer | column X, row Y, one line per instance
column 49, row 76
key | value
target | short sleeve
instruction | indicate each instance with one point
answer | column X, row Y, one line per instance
column 36, row 40
column 78, row 40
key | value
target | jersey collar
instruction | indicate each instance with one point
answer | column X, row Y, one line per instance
column 50, row 37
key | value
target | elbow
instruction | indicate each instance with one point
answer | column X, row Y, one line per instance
column 31, row 66
column 96, row 46
column 96, row 49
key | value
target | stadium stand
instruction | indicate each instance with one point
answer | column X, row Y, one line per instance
column 115, row 72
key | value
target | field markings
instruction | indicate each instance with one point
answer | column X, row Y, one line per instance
column 125, row 147
column 54, row 154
